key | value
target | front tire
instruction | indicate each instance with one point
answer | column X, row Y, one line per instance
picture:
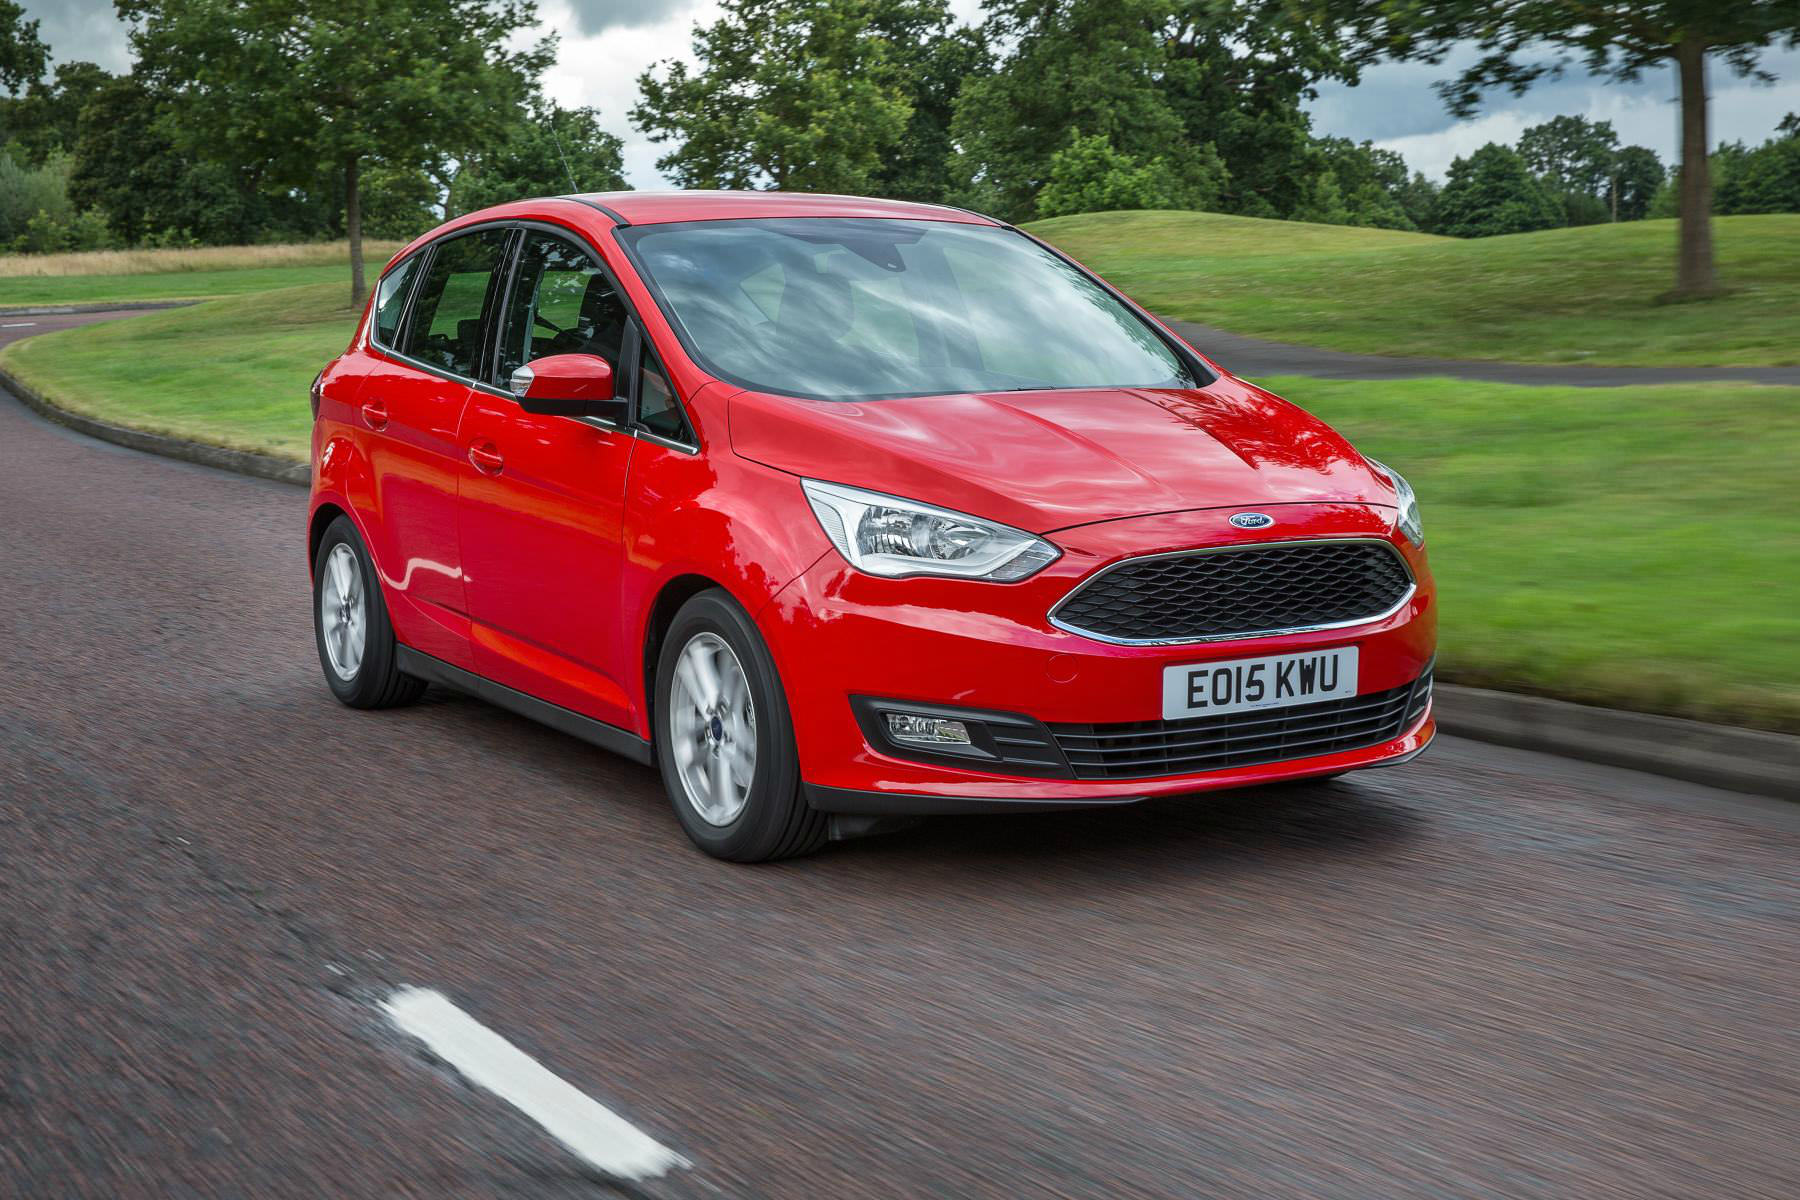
column 351, row 628
column 725, row 741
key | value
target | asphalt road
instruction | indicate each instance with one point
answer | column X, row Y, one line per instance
column 1489, row 974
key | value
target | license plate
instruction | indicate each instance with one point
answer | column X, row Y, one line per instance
column 1245, row 684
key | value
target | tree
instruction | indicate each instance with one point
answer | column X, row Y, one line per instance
column 1611, row 37
column 1637, row 174
column 1492, row 192
column 1572, row 154
column 1088, row 175
column 1418, row 199
column 1369, row 181
column 283, row 89
column 933, row 58
column 43, row 120
column 23, row 55
column 128, row 165
column 1238, row 74
column 548, row 150
column 797, row 94
column 1185, row 79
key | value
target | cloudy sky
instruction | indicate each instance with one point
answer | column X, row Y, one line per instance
column 606, row 44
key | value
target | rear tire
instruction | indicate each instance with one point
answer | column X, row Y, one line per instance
column 725, row 740
column 354, row 636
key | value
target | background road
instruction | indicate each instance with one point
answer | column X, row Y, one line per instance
column 1490, row 974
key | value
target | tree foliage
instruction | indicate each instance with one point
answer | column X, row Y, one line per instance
column 548, row 150
column 1492, row 191
column 1182, row 79
column 285, row 89
column 1088, row 175
column 1571, row 154
column 807, row 95
column 1766, row 179
column 1619, row 38
column 23, row 55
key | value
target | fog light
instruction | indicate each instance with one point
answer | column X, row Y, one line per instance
column 926, row 731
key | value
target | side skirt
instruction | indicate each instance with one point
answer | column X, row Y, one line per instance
column 563, row 720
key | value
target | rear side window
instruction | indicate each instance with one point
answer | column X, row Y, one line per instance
column 390, row 300
column 445, row 328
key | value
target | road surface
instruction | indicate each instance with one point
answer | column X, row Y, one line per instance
column 1489, row 974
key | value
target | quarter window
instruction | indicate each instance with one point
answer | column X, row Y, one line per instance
column 562, row 303
column 658, row 410
column 447, row 318
column 390, row 300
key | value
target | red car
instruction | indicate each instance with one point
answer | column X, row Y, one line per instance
column 842, row 510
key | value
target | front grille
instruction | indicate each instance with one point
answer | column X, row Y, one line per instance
column 1140, row 749
column 1238, row 591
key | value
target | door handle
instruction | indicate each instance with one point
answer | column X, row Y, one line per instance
column 486, row 458
column 375, row 413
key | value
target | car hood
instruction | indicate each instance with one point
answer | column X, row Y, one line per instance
column 1042, row 461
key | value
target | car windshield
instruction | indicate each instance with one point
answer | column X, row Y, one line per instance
column 849, row 309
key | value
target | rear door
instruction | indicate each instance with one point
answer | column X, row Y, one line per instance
column 543, row 497
column 413, row 399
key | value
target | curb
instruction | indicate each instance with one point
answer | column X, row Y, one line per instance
column 59, row 310
column 1722, row 756
column 241, row 462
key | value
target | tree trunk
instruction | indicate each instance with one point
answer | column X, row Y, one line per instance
column 353, row 227
column 1694, row 264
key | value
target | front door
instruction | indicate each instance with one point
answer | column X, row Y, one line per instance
column 542, row 498
column 412, row 401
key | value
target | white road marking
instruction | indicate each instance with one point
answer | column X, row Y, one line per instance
column 18, row 325
column 594, row 1132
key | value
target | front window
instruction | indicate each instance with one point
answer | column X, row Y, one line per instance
column 846, row 309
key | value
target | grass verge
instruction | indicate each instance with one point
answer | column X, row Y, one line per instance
column 231, row 372
column 1633, row 547
column 1585, row 295
column 107, row 275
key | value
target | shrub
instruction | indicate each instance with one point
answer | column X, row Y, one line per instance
column 1089, row 175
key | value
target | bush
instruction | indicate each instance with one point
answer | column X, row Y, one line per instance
column 32, row 196
column 1088, row 175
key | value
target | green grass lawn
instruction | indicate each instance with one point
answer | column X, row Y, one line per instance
column 1584, row 295
column 30, row 290
column 1637, row 547
column 234, row 372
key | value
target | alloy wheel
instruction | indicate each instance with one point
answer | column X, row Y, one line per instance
column 712, row 726
column 343, row 612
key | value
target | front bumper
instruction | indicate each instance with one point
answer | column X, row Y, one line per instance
column 836, row 633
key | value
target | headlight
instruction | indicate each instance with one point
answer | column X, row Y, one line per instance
column 1409, row 522
column 885, row 535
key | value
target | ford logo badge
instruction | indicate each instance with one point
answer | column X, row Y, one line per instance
column 1252, row 520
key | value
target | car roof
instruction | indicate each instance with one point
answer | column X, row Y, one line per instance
column 657, row 208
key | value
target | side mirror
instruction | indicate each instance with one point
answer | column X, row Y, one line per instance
column 567, row 385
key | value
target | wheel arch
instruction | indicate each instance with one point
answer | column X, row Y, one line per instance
column 675, row 592
column 322, row 517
